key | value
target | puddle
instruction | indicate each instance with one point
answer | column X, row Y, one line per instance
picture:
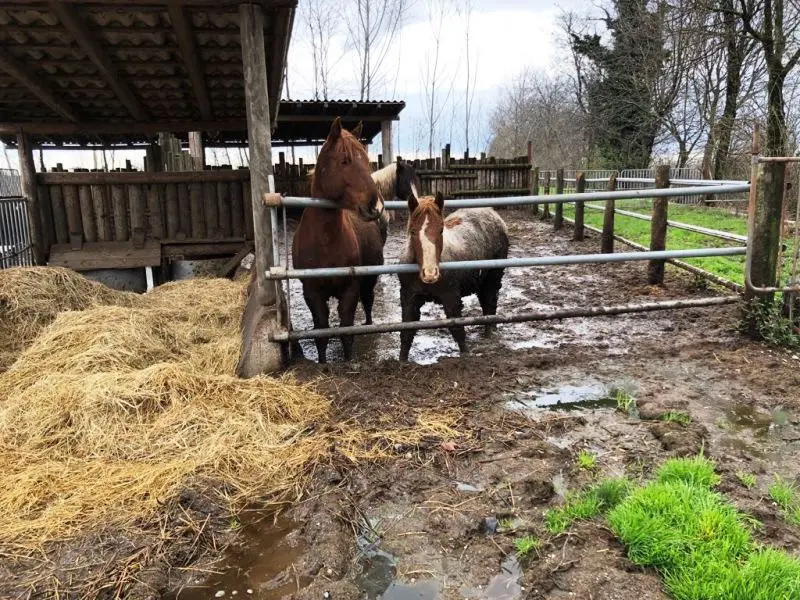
column 262, row 563
column 559, row 485
column 466, row 487
column 743, row 416
column 376, row 581
column 567, row 397
column 503, row 586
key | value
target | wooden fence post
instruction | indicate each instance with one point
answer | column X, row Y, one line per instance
column 765, row 228
column 558, row 220
column 546, row 207
column 658, row 228
column 580, row 188
column 27, row 176
column 535, row 187
column 607, row 239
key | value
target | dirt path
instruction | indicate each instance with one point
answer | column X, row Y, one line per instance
column 424, row 525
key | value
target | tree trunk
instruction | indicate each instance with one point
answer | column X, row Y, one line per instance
column 776, row 116
column 736, row 49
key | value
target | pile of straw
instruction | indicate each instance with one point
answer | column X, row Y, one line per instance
column 112, row 411
column 30, row 298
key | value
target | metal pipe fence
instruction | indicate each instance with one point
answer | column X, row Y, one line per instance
column 723, row 235
column 15, row 245
column 278, row 272
column 533, row 261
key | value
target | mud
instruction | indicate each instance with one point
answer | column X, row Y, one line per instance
column 439, row 521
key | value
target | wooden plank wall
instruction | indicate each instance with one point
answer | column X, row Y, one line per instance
column 195, row 206
column 471, row 176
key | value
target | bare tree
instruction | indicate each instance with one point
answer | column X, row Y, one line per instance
column 372, row 28
column 471, row 76
column 544, row 110
column 323, row 22
column 775, row 26
column 434, row 73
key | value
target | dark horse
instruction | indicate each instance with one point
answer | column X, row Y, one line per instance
column 344, row 237
column 467, row 234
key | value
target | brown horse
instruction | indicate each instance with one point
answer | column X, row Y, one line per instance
column 344, row 237
column 467, row 234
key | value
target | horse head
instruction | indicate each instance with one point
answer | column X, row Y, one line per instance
column 425, row 234
column 342, row 172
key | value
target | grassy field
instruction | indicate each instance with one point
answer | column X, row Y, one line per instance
column 729, row 267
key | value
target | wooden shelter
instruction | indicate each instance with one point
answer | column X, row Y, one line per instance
column 103, row 68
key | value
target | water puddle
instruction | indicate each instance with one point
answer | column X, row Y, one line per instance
column 261, row 567
column 566, row 397
column 503, row 586
column 744, row 416
column 468, row 488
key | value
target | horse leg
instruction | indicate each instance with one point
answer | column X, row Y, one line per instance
column 411, row 312
column 452, row 309
column 348, row 302
column 320, row 313
column 489, row 293
column 367, row 286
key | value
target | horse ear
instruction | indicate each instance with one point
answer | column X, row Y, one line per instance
column 440, row 201
column 336, row 129
column 357, row 130
column 412, row 203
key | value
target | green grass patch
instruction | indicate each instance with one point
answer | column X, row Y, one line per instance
column 587, row 504
column 697, row 471
column 625, row 401
column 525, row 546
column 675, row 416
column 586, row 460
column 787, row 497
column 748, row 480
column 698, row 541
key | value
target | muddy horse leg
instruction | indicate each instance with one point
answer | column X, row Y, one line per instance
column 411, row 312
column 320, row 313
column 348, row 302
column 489, row 293
column 367, row 286
column 452, row 309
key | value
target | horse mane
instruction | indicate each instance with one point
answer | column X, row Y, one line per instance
column 352, row 148
column 385, row 180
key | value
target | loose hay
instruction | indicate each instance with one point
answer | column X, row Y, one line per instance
column 113, row 411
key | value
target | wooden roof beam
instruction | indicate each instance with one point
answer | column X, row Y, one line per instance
column 191, row 57
column 33, row 83
column 77, row 27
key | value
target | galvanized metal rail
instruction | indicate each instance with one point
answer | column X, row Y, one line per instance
column 723, row 235
column 533, row 261
column 300, row 202
column 525, row 317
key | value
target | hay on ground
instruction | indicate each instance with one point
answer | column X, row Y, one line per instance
column 113, row 411
column 32, row 297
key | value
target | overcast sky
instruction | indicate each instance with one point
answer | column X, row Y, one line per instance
column 506, row 36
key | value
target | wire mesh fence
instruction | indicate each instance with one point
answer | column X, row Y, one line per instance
column 9, row 183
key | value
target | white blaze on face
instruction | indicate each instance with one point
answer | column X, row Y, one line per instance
column 429, row 273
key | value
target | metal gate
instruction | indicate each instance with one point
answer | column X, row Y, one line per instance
column 15, row 244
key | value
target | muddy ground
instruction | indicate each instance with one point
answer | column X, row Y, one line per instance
column 424, row 525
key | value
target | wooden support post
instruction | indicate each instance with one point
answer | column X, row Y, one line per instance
column 265, row 311
column 765, row 211
column 580, row 188
column 558, row 219
column 607, row 237
column 27, row 174
column 197, row 150
column 546, row 207
column 535, row 187
column 386, row 142
column 658, row 228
